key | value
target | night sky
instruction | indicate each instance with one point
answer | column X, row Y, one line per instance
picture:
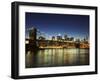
column 76, row 26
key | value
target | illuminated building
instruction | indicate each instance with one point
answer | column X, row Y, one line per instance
column 65, row 37
column 59, row 38
column 53, row 37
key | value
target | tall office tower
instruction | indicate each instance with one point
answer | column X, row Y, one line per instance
column 65, row 37
column 53, row 37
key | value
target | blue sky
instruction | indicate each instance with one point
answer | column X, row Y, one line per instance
column 76, row 26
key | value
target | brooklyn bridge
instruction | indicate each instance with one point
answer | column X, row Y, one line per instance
column 34, row 43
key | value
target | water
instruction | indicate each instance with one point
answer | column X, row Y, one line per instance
column 57, row 57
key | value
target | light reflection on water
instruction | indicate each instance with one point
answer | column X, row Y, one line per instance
column 57, row 57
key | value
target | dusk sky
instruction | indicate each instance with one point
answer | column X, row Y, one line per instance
column 76, row 26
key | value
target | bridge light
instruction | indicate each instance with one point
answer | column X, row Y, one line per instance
column 26, row 42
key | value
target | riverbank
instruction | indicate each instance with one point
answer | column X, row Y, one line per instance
column 60, row 47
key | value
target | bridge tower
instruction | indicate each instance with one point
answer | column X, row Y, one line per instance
column 32, row 34
column 32, row 39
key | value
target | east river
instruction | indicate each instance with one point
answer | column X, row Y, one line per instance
column 57, row 57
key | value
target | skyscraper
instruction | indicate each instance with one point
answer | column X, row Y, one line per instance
column 53, row 37
column 65, row 37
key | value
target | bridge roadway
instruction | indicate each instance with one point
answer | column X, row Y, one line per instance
column 45, row 44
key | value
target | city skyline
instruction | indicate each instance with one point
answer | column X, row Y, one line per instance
column 76, row 26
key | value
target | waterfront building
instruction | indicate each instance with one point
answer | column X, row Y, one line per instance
column 53, row 37
column 65, row 37
column 59, row 38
